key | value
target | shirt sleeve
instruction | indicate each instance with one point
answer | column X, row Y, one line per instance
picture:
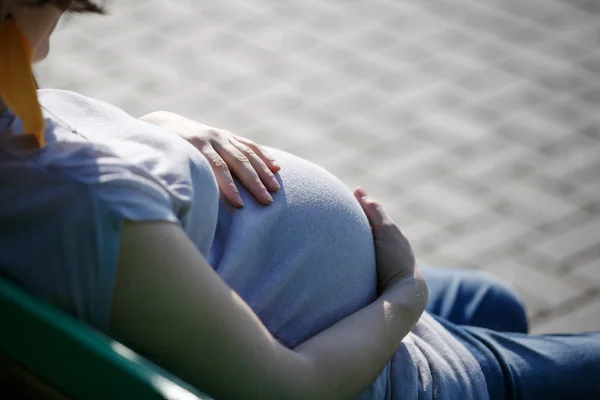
column 60, row 227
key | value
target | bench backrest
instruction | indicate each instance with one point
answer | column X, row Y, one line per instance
column 50, row 348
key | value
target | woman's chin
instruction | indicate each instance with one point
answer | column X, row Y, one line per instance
column 41, row 52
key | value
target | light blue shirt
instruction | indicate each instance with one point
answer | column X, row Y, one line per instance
column 302, row 263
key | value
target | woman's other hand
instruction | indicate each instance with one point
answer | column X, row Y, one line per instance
column 396, row 265
column 227, row 154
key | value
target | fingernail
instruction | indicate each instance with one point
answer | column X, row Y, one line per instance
column 274, row 163
column 238, row 198
column 274, row 182
column 266, row 195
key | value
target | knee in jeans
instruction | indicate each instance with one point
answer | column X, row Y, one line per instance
column 504, row 300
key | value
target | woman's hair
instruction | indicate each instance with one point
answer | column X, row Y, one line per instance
column 85, row 6
column 73, row 6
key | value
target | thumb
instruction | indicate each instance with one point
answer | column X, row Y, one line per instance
column 374, row 211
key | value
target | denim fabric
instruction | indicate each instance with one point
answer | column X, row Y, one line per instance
column 485, row 314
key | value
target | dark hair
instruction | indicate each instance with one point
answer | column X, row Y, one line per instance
column 73, row 6
column 86, row 6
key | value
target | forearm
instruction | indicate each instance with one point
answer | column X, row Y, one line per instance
column 171, row 305
column 347, row 357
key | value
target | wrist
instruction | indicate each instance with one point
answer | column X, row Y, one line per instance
column 408, row 295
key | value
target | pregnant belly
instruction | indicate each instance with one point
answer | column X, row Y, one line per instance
column 302, row 263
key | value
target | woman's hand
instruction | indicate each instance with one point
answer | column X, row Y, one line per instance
column 396, row 264
column 226, row 153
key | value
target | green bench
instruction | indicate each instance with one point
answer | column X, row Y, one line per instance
column 46, row 353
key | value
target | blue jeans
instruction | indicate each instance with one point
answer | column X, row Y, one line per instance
column 486, row 315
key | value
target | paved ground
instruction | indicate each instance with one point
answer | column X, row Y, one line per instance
column 476, row 122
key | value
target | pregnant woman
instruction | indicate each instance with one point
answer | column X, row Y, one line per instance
column 136, row 227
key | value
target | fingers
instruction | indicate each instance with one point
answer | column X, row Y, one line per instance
column 230, row 154
column 259, row 165
column 260, row 152
column 222, row 175
column 241, row 166
column 375, row 213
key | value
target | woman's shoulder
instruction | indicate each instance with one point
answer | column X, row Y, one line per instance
column 67, row 176
column 75, row 103
column 104, row 125
column 59, row 231
column 62, row 207
column 112, row 137
column 92, row 150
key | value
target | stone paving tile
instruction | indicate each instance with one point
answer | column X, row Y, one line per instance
column 573, row 241
column 537, row 283
column 589, row 272
column 577, row 319
column 475, row 123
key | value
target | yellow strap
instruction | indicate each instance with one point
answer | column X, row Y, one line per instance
column 17, row 84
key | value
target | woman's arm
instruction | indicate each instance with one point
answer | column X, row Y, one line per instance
column 169, row 304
